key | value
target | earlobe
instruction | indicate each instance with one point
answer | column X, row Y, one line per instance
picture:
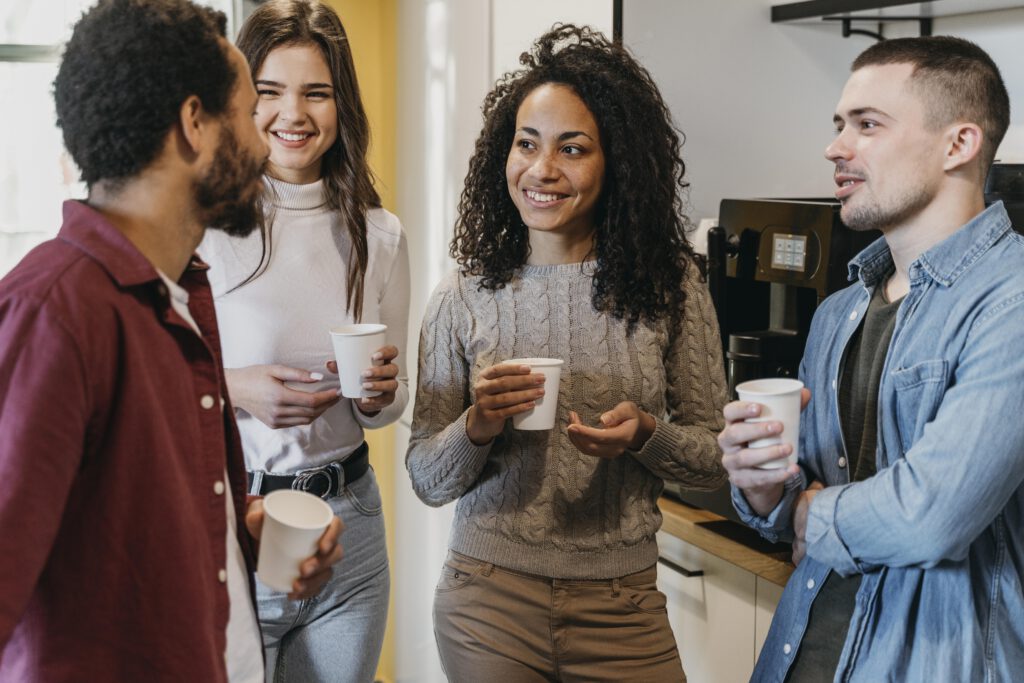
column 965, row 142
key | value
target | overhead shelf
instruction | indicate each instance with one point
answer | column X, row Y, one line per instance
column 883, row 10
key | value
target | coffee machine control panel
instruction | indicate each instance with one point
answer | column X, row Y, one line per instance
column 786, row 255
column 789, row 252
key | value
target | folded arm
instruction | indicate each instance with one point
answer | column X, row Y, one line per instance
column 931, row 505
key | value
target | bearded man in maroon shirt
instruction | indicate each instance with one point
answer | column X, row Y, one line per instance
column 126, row 540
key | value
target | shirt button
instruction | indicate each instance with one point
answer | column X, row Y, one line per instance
column 162, row 289
column 810, row 584
column 787, row 648
column 206, row 401
column 841, row 462
column 222, row 576
column 853, row 315
column 218, row 488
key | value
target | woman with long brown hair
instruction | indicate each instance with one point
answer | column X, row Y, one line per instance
column 326, row 255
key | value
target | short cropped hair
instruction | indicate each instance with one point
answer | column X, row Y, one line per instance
column 129, row 66
column 957, row 80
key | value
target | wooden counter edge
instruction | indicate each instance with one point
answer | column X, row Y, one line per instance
column 682, row 520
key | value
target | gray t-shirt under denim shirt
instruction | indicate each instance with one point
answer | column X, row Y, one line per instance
column 818, row 656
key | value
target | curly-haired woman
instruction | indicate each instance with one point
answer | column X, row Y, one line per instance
column 327, row 255
column 571, row 244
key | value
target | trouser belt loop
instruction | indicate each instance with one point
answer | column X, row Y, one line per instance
column 488, row 568
column 615, row 588
column 339, row 472
column 255, row 482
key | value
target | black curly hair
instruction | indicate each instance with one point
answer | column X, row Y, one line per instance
column 642, row 254
column 129, row 66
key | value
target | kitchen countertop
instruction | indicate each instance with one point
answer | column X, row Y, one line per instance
column 726, row 539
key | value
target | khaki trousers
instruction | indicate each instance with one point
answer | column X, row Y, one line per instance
column 495, row 625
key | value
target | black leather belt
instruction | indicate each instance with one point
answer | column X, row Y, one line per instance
column 327, row 481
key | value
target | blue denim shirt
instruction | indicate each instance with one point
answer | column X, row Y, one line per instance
column 938, row 533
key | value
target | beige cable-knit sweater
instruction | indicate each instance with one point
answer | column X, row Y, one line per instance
column 530, row 501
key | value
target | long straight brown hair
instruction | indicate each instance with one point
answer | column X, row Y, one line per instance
column 348, row 181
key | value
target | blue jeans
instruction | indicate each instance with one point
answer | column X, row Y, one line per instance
column 337, row 635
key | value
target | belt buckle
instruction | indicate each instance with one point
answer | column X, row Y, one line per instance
column 304, row 481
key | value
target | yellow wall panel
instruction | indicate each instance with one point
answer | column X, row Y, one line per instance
column 371, row 26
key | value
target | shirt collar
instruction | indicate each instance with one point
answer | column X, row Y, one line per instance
column 90, row 231
column 944, row 262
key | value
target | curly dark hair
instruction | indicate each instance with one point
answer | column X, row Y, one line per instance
column 642, row 254
column 348, row 181
column 129, row 66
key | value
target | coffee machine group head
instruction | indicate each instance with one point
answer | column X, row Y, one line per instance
column 770, row 263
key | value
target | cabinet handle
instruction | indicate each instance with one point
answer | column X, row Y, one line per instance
column 689, row 573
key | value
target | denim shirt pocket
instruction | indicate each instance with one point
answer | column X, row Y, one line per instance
column 918, row 393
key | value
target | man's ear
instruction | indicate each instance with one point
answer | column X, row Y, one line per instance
column 964, row 142
column 194, row 123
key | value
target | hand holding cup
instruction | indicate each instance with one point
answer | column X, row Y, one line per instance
column 745, row 452
column 378, row 381
column 502, row 391
column 298, row 541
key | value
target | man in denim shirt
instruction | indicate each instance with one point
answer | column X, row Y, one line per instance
column 906, row 510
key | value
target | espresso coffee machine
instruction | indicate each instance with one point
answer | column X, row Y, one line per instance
column 770, row 264
column 1005, row 183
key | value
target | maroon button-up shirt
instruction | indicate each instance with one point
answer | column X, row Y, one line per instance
column 112, row 437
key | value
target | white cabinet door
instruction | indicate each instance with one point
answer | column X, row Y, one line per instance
column 768, row 596
column 713, row 615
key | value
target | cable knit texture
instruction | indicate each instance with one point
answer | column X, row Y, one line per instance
column 531, row 501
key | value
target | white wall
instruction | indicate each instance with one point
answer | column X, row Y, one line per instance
column 516, row 24
column 1001, row 34
column 443, row 74
column 755, row 99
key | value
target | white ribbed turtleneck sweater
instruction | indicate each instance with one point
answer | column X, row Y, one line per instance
column 283, row 316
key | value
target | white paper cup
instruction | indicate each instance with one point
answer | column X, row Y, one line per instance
column 542, row 415
column 780, row 402
column 293, row 522
column 353, row 347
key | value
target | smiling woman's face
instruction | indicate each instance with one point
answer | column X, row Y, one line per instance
column 296, row 113
column 555, row 169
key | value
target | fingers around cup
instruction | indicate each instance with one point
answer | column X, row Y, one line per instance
column 505, row 370
column 740, row 434
column 737, row 411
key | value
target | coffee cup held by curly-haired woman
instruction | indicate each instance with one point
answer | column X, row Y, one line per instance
column 571, row 245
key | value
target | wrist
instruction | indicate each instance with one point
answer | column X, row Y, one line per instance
column 763, row 500
column 235, row 389
column 366, row 413
column 477, row 436
column 646, row 425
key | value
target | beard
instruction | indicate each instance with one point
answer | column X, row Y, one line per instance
column 881, row 216
column 228, row 195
